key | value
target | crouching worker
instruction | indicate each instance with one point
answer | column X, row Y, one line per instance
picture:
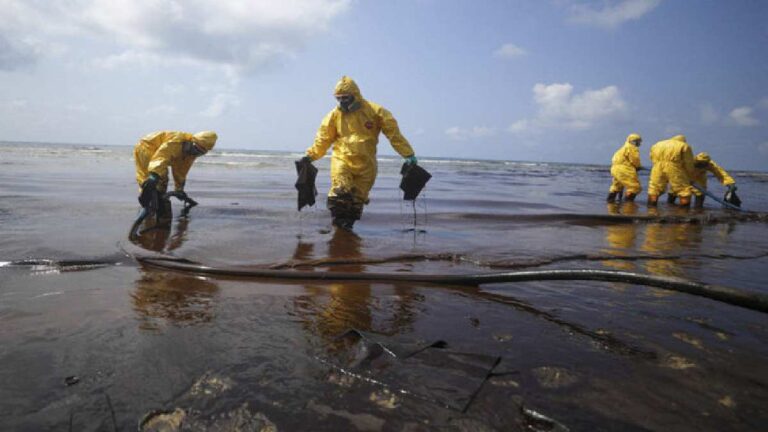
column 703, row 164
column 624, row 166
column 672, row 164
column 155, row 153
column 353, row 129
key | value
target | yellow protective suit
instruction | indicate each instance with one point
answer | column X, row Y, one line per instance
column 700, row 172
column 158, row 151
column 672, row 164
column 354, row 136
column 624, row 166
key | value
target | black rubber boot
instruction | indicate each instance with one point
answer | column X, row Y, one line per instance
column 611, row 197
column 344, row 210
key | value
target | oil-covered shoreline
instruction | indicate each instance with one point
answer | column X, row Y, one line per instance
column 91, row 340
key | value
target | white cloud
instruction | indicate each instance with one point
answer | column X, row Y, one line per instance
column 742, row 116
column 174, row 89
column 245, row 35
column 19, row 103
column 611, row 14
column 129, row 58
column 15, row 54
column 220, row 104
column 519, row 126
column 708, row 114
column 559, row 107
column 461, row 134
column 508, row 51
column 77, row 108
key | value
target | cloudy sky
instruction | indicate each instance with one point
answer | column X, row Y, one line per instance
column 542, row 80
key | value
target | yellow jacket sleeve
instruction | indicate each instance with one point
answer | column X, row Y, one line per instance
column 180, row 170
column 688, row 162
column 720, row 173
column 392, row 132
column 633, row 156
column 325, row 136
column 170, row 151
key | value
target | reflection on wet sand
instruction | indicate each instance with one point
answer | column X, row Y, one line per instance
column 172, row 297
column 660, row 239
column 337, row 307
column 621, row 237
column 669, row 239
column 163, row 238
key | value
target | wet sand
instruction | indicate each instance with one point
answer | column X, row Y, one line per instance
column 160, row 346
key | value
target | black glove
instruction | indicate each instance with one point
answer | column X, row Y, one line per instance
column 305, row 159
column 148, row 197
column 732, row 187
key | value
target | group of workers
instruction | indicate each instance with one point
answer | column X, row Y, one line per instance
column 673, row 165
column 352, row 127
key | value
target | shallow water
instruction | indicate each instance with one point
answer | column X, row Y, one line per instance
column 590, row 355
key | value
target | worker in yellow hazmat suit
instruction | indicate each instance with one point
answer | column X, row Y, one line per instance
column 702, row 164
column 624, row 166
column 158, row 151
column 353, row 129
column 672, row 164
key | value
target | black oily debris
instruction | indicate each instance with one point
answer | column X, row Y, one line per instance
column 413, row 181
column 305, row 183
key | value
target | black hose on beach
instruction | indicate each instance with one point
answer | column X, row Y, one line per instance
column 733, row 296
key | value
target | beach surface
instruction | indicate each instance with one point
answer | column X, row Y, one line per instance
column 92, row 340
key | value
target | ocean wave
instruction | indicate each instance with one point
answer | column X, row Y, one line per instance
column 225, row 154
column 238, row 164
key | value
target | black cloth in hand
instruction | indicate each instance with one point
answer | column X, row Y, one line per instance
column 413, row 181
column 305, row 183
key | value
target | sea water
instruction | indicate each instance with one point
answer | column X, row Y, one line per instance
column 90, row 340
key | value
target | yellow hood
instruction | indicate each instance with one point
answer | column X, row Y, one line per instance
column 680, row 138
column 703, row 157
column 347, row 85
column 205, row 139
column 634, row 137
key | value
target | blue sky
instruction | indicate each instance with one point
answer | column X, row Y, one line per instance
column 558, row 80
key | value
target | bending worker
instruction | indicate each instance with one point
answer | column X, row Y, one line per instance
column 672, row 163
column 156, row 152
column 624, row 166
column 353, row 129
column 703, row 163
